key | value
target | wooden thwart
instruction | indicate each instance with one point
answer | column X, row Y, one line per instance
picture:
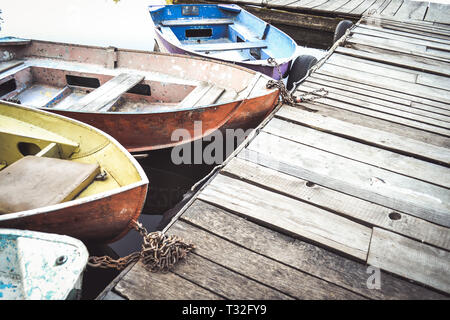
column 101, row 98
column 227, row 46
column 195, row 22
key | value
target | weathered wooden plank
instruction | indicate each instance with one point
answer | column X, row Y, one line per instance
column 313, row 3
column 380, row 186
column 381, row 105
column 378, row 124
column 403, row 59
column 211, row 96
column 362, row 7
column 368, row 91
column 101, row 97
column 375, row 137
column 350, row 86
column 228, row 46
column 402, row 37
column 289, row 215
column 364, row 108
column 4, row 66
column 254, row 266
column 140, row 284
column 399, row 46
column 193, row 22
column 393, row 96
column 438, row 12
column 301, row 255
column 195, row 95
column 412, row 10
column 414, row 29
column 381, row 158
column 373, row 67
column 385, row 70
column 404, row 33
column 434, row 81
column 434, row 94
column 391, row 8
column 224, row 282
column 355, row 208
column 350, row 6
column 410, row 259
column 331, row 5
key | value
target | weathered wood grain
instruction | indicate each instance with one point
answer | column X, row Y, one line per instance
column 384, row 82
column 394, row 96
column 438, row 12
column 402, row 59
column 288, row 215
column 410, row 259
column 381, row 158
column 412, row 10
column 226, row 283
column 352, row 207
column 301, row 255
column 140, row 284
column 381, row 138
column 383, row 106
column 258, row 267
column 386, row 188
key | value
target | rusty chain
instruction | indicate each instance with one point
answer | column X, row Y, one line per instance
column 158, row 252
column 289, row 98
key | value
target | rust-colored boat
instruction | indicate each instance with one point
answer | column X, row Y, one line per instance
column 59, row 175
column 137, row 97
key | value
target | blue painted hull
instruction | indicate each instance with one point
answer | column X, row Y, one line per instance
column 223, row 32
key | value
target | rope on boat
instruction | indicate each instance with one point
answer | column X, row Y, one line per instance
column 159, row 252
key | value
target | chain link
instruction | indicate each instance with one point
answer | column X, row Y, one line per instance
column 158, row 253
column 290, row 99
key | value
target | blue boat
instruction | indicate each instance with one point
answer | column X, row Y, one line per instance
column 223, row 32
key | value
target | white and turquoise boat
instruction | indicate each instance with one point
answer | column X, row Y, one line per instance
column 40, row 266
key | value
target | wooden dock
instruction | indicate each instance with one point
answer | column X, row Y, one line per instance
column 399, row 9
column 350, row 202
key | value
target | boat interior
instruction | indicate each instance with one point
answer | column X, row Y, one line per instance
column 221, row 31
column 46, row 160
column 56, row 88
column 80, row 78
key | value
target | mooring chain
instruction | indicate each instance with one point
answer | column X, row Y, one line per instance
column 158, row 253
column 290, row 99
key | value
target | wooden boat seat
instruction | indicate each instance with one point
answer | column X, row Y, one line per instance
column 104, row 96
column 203, row 95
column 34, row 182
column 195, row 22
column 228, row 46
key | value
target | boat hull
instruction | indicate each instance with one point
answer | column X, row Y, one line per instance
column 139, row 132
column 104, row 220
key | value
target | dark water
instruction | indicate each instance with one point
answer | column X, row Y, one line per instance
column 168, row 188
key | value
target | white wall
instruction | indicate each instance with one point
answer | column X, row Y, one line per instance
column 120, row 23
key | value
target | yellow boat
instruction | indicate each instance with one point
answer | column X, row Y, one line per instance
column 62, row 176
